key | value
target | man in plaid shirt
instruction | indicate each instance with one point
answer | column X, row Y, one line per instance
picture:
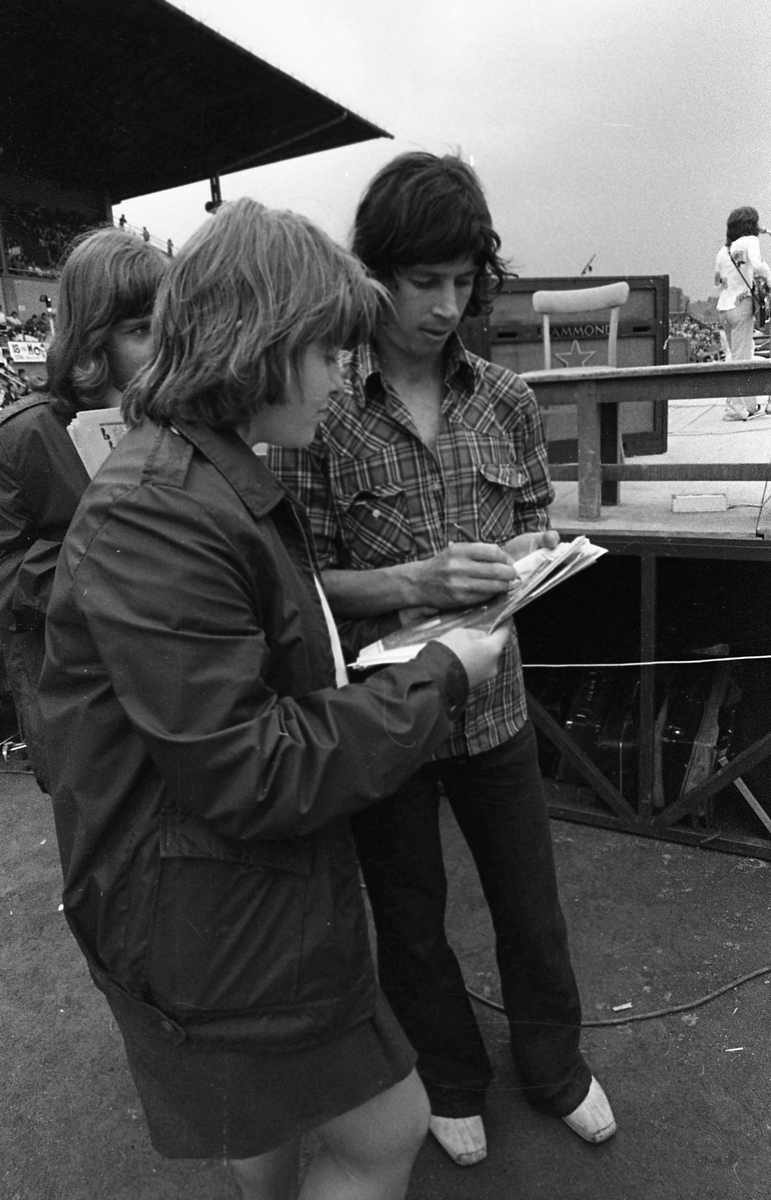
column 427, row 478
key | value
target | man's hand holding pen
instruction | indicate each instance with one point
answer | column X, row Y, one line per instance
column 468, row 572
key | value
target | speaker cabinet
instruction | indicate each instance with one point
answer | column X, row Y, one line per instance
column 511, row 335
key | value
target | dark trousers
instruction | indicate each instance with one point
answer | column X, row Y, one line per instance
column 498, row 801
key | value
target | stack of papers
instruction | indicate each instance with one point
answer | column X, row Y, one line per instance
column 537, row 573
column 95, row 431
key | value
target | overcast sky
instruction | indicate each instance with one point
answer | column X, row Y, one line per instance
column 623, row 129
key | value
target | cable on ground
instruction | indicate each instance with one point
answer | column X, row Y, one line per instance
column 649, row 1016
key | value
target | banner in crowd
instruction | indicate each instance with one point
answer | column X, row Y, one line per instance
column 27, row 352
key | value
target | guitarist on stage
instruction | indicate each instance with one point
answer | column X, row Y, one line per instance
column 743, row 279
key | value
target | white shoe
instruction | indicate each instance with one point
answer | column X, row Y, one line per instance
column 736, row 414
column 593, row 1120
column 462, row 1137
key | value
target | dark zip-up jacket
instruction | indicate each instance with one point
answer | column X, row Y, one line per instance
column 42, row 478
column 203, row 761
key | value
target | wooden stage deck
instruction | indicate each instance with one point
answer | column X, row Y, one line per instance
column 697, row 433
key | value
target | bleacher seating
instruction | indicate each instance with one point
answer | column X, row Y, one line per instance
column 36, row 237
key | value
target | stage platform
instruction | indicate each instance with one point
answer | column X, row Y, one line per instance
column 675, row 585
column 697, row 433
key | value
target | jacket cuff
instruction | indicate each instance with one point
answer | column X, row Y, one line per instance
column 355, row 634
column 450, row 675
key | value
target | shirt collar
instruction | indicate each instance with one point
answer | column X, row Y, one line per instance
column 365, row 367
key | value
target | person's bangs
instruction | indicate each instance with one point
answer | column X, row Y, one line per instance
column 348, row 314
column 137, row 296
column 450, row 234
column 333, row 301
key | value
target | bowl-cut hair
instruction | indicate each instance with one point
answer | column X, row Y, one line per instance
column 249, row 292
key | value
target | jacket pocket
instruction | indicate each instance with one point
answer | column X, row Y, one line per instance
column 227, row 927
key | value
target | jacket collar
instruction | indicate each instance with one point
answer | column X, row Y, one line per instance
column 244, row 470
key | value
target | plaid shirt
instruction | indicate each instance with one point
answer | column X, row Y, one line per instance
column 378, row 496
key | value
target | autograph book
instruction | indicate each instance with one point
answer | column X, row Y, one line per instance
column 537, row 573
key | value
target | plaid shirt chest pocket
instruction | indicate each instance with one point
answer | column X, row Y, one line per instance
column 499, row 493
column 374, row 508
column 376, row 525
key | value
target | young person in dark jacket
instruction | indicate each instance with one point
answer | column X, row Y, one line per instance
column 106, row 296
column 206, row 751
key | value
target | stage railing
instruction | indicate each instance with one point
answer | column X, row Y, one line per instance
column 597, row 393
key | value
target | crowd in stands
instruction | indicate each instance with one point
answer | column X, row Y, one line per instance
column 703, row 338
column 15, row 383
column 36, row 237
column 18, row 380
column 15, row 328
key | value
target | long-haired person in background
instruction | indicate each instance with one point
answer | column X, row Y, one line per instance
column 204, row 760
column 107, row 289
column 737, row 264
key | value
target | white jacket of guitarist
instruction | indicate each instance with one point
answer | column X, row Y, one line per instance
column 735, row 269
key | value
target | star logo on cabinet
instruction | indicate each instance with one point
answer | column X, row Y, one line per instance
column 575, row 356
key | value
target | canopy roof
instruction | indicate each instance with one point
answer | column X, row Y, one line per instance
column 128, row 97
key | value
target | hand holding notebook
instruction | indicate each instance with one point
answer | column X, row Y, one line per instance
column 537, row 573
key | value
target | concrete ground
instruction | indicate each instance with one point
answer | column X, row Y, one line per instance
column 653, row 926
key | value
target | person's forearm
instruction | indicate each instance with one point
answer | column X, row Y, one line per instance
column 371, row 593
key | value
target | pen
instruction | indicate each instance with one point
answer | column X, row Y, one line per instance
column 469, row 537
